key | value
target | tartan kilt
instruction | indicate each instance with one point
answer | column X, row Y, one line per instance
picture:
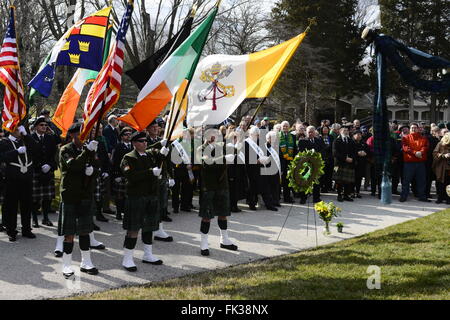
column 100, row 189
column 344, row 174
column 119, row 188
column 43, row 190
column 141, row 212
column 215, row 203
column 76, row 219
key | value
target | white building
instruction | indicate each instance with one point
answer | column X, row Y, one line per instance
column 399, row 111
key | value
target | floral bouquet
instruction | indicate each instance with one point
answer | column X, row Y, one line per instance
column 326, row 212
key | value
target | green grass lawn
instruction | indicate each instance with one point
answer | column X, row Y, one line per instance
column 414, row 258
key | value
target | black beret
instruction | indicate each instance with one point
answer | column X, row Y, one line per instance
column 76, row 127
column 44, row 112
column 441, row 125
column 448, row 125
column 356, row 132
column 39, row 120
column 138, row 135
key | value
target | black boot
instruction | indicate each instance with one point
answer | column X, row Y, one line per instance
column 99, row 216
column 35, row 220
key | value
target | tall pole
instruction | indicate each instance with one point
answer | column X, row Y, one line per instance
column 71, row 13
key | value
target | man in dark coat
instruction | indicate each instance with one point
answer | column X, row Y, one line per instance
column 311, row 142
column 344, row 164
column 111, row 133
column 237, row 176
column 45, row 165
column 118, row 178
column 255, row 160
column 17, row 152
column 183, row 189
column 362, row 153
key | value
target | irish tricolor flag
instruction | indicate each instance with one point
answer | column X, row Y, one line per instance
column 166, row 80
column 222, row 82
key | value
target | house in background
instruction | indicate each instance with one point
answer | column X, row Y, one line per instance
column 362, row 108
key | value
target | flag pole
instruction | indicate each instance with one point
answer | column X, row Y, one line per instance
column 16, row 73
column 100, row 118
column 174, row 101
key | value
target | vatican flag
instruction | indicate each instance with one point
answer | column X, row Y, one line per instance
column 222, row 82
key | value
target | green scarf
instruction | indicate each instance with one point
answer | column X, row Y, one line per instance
column 287, row 146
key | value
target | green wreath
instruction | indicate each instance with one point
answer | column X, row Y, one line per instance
column 305, row 171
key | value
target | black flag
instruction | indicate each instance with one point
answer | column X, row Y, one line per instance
column 144, row 71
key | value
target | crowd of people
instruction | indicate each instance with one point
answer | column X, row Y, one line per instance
column 139, row 172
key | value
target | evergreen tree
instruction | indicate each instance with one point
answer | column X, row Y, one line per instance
column 327, row 66
column 424, row 25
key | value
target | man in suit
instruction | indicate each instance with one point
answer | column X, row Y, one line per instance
column 183, row 190
column 344, row 164
column 311, row 142
column 111, row 133
column 255, row 160
column 45, row 165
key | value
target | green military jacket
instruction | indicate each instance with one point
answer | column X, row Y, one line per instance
column 213, row 170
column 75, row 185
column 138, row 171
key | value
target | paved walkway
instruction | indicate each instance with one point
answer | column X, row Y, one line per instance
column 30, row 271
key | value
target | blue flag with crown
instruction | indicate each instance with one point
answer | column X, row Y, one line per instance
column 80, row 47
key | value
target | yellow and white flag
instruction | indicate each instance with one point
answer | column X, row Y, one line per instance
column 222, row 82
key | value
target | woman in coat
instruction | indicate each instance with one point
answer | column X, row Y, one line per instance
column 441, row 167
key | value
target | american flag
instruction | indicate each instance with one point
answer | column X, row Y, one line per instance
column 14, row 109
column 105, row 91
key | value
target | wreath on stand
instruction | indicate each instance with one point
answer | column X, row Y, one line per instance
column 305, row 171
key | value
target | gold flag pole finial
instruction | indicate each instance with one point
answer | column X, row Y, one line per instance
column 218, row 3
column 12, row 3
column 312, row 22
column 110, row 3
column 194, row 10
